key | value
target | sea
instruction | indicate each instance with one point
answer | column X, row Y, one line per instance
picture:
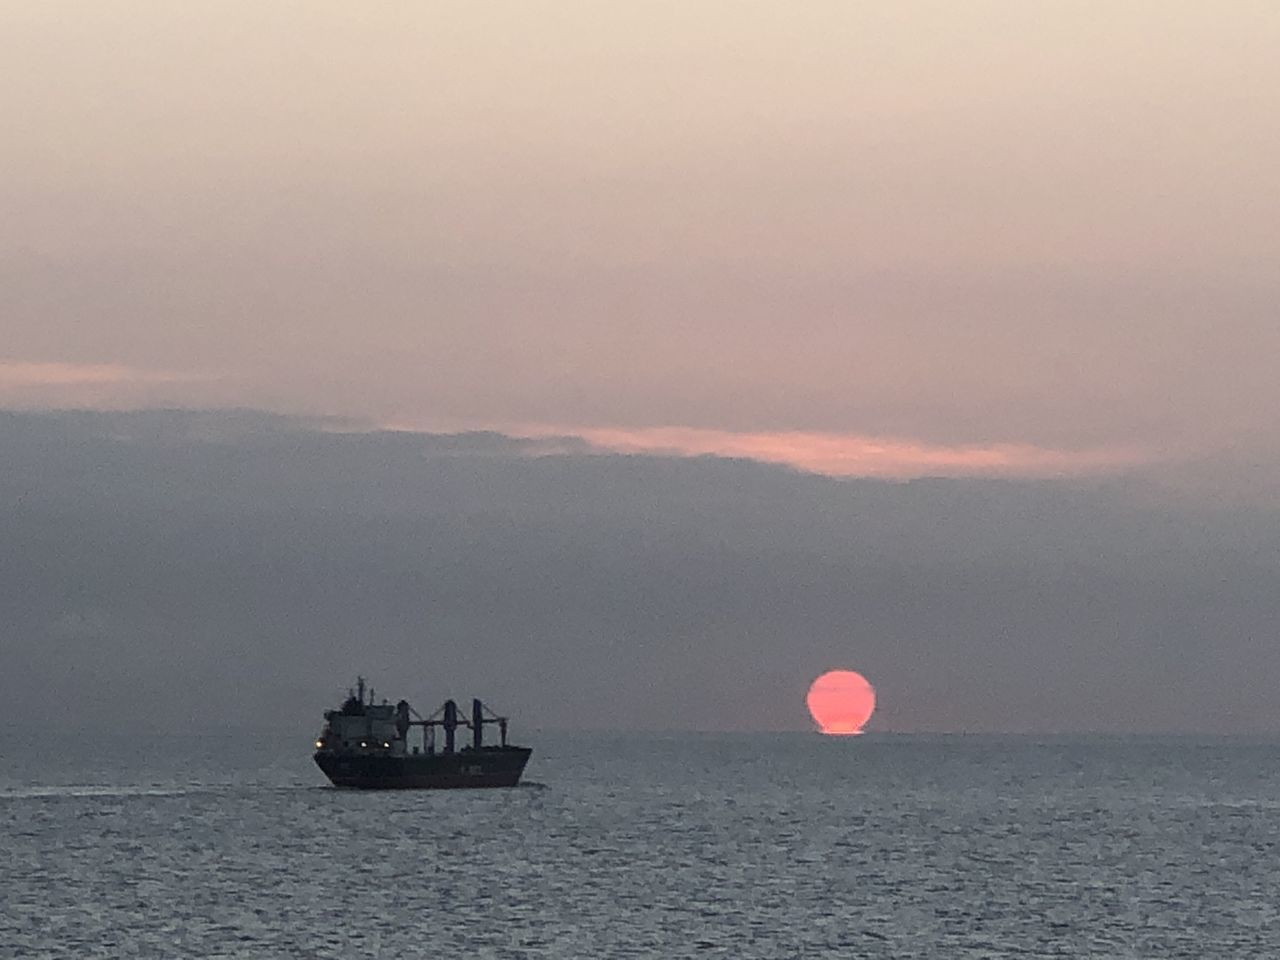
column 648, row 845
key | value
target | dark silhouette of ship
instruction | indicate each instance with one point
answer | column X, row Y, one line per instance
column 366, row 745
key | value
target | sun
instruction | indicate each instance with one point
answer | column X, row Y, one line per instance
column 841, row 702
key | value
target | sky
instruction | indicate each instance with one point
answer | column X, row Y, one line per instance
column 991, row 243
column 944, row 230
column 232, row 570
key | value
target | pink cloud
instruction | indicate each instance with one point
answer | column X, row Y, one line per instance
column 81, row 384
column 856, row 455
column 14, row 374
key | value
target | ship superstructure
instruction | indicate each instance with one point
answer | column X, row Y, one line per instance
column 373, row 745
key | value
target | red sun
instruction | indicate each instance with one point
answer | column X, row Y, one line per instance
column 841, row 701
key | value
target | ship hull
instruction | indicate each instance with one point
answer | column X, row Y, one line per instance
column 487, row 767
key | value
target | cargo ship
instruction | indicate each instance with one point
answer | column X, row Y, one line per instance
column 367, row 745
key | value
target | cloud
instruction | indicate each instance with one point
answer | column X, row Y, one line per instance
column 60, row 384
column 855, row 455
column 248, row 569
column 18, row 374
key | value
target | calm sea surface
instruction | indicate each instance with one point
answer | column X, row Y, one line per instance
column 647, row 846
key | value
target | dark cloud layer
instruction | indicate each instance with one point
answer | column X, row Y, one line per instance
column 198, row 569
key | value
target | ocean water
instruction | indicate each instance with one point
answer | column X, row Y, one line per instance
column 650, row 846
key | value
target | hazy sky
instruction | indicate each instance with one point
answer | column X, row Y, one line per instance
column 1026, row 247
column 904, row 238
column 231, row 571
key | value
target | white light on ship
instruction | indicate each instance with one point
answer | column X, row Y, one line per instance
column 363, row 744
column 385, row 744
column 319, row 744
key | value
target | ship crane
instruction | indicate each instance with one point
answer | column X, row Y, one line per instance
column 448, row 718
